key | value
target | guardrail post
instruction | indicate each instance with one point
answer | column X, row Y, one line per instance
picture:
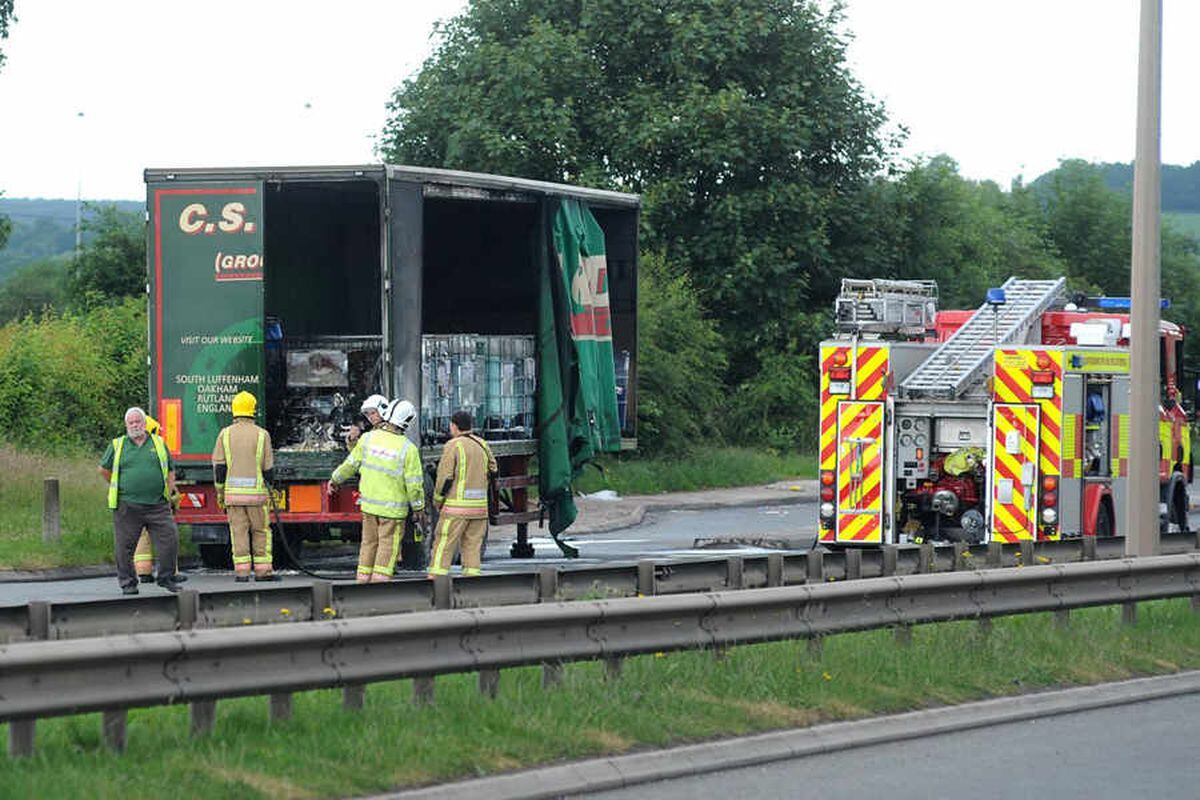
column 1026, row 558
column 204, row 717
column 647, row 582
column 443, row 592
column 1129, row 613
column 1062, row 618
column 21, row 737
column 1089, row 548
column 815, row 562
column 816, row 647
column 985, row 626
column 187, row 609
column 1196, row 603
column 612, row 667
column 114, row 729
column 322, row 598
column 903, row 635
column 552, row 674
column 775, row 569
column 354, row 697
column 891, row 556
column 423, row 690
column 51, row 519
column 22, row 732
column 735, row 571
column 281, row 707
column 925, row 558
column 489, row 683
column 962, row 557
column 995, row 555
column 547, row 584
column 853, row 564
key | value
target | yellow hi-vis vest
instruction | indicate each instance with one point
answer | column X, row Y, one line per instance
column 256, row 486
column 390, row 468
column 160, row 450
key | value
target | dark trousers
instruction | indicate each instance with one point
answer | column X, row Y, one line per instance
column 128, row 521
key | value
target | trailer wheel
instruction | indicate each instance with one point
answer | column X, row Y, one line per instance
column 1104, row 521
column 216, row 556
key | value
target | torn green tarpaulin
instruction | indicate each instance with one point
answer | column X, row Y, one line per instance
column 576, row 394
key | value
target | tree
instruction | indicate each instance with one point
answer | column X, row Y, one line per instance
column 32, row 289
column 737, row 121
column 112, row 263
column 6, row 17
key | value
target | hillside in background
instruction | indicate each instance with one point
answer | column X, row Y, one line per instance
column 43, row 229
column 1180, row 185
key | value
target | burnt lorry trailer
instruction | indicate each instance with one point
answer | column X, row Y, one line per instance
column 316, row 287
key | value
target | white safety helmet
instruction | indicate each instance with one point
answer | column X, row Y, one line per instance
column 375, row 402
column 401, row 414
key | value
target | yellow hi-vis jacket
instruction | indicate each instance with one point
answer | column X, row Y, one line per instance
column 160, row 450
column 390, row 480
column 461, row 487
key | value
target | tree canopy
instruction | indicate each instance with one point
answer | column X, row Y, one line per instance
column 737, row 120
column 6, row 17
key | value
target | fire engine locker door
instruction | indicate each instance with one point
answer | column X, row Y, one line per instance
column 1014, row 472
column 860, row 472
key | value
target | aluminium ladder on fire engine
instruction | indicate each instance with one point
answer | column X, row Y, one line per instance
column 963, row 359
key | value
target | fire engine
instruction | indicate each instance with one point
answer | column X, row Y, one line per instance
column 1006, row 423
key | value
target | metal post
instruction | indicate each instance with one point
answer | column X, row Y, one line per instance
column 995, row 555
column 204, row 717
column 612, row 667
column 20, row 737
column 1141, row 518
column 815, row 561
column 51, row 520
column 322, row 598
column 647, row 583
column 114, row 729
column 775, row 569
column 443, row 592
column 354, row 696
column 423, row 690
column 925, row 562
column 547, row 585
column 853, row 564
column 281, row 707
column 552, row 674
column 735, row 571
column 489, row 682
column 891, row 555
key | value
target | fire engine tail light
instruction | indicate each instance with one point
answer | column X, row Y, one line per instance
column 1049, row 500
column 1043, row 385
column 839, row 380
column 1049, row 483
column 827, row 485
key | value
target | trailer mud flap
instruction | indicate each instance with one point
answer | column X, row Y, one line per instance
column 1014, row 472
column 860, row 472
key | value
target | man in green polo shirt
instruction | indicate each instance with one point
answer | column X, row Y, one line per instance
column 141, row 483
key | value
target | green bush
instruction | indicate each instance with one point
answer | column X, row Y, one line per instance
column 681, row 359
column 66, row 378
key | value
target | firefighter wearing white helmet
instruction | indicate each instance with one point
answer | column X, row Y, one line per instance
column 242, row 468
column 390, row 486
column 372, row 410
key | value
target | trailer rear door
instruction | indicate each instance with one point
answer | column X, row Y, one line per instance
column 860, row 472
column 206, row 307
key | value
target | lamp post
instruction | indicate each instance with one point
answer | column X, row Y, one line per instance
column 1141, row 522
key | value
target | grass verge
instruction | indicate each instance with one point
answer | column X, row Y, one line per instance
column 86, row 520
column 705, row 469
column 660, row 700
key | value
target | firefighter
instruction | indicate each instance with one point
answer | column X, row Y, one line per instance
column 242, row 470
column 460, row 492
column 372, row 410
column 390, row 485
column 143, row 556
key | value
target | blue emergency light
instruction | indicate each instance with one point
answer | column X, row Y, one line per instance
column 1120, row 303
column 996, row 297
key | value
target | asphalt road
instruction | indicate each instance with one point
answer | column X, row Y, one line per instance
column 668, row 534
column 1133, row 751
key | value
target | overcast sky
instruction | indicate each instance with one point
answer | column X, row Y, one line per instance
column 1005, row 88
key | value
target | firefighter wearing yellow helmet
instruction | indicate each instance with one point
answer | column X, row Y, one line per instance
column 143, row 555
column 242, row 463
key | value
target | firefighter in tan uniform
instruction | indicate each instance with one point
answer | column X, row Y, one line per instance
column 461, row 495
column 242, row 464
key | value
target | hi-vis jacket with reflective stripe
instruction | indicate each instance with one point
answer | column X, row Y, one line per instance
column 160, row 450
column 462, row 477
column 390, row 479
column 245, row 450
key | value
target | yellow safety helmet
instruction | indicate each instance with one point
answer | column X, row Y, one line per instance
column 244, row 404
column 152, row 425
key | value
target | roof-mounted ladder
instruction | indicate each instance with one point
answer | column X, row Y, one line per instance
column 964, row 358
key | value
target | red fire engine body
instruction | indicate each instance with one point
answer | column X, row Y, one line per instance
column 1006, row 423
